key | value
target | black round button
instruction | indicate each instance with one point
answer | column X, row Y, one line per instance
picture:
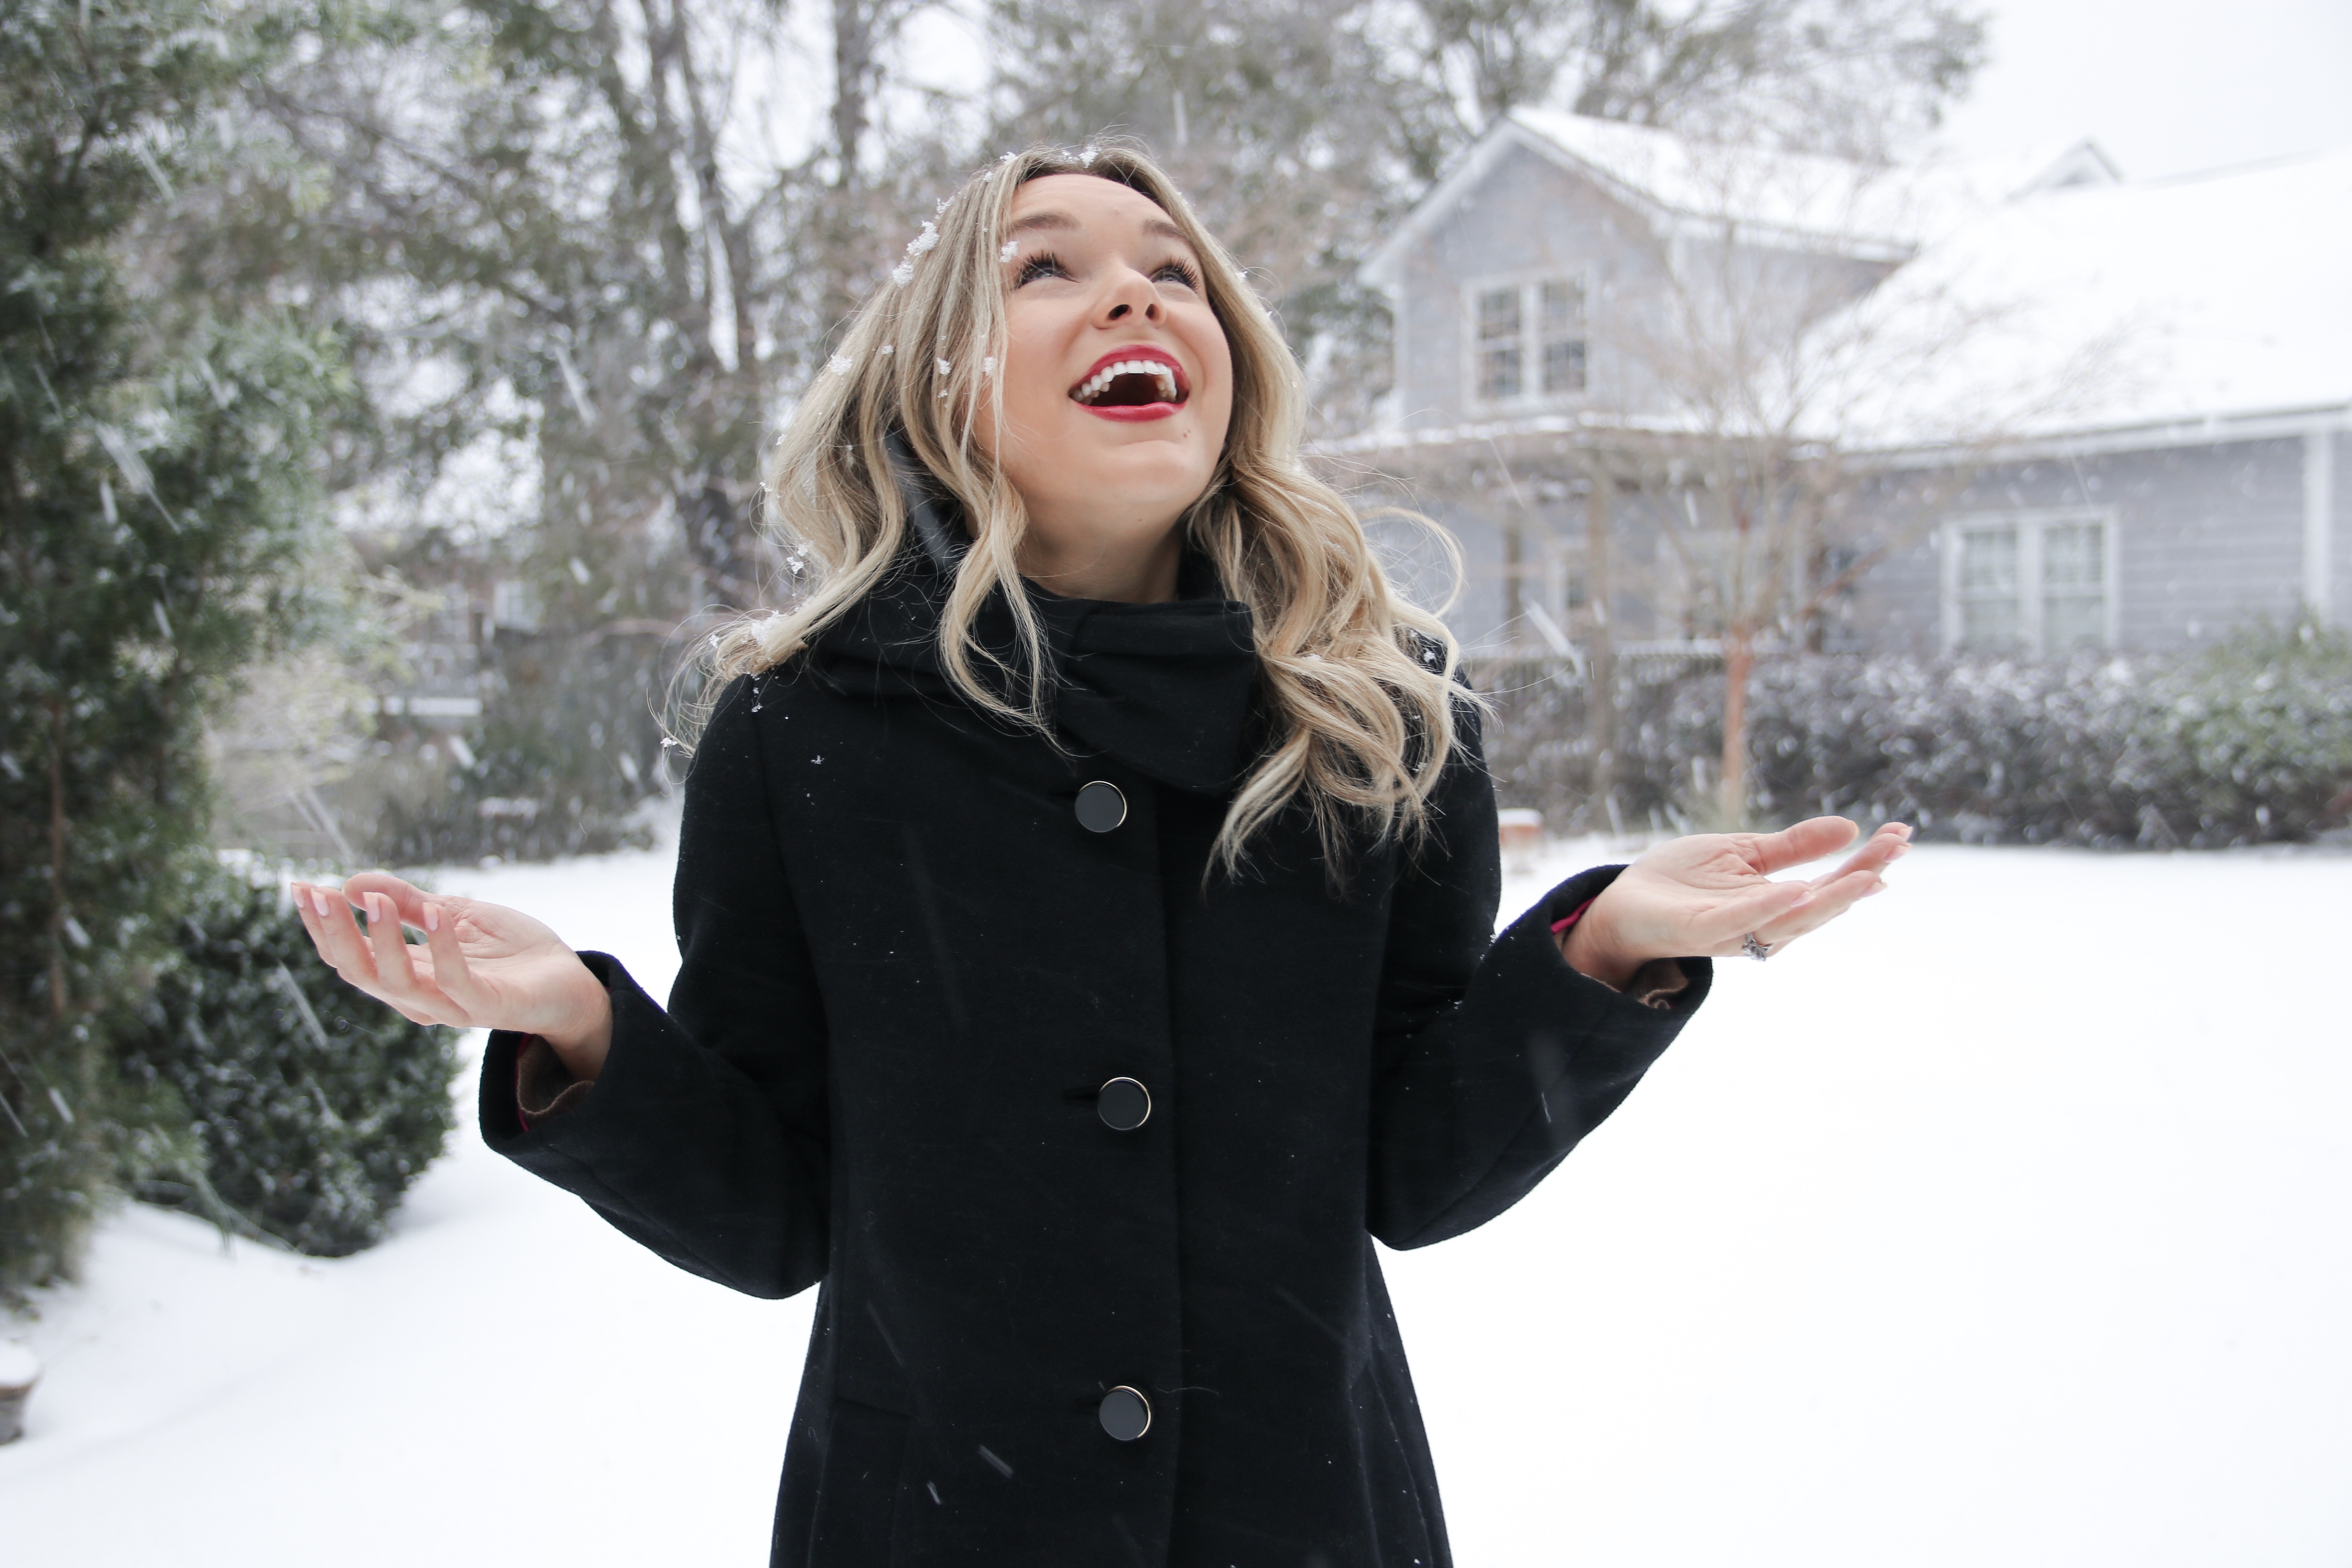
column 1100, row 806
column 1125, row 1414
column 1123, row 1104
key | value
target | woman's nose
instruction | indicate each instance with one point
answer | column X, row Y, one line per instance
column 1133, row 296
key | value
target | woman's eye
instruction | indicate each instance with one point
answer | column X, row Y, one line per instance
column 1177, row 272
column 1044, row 264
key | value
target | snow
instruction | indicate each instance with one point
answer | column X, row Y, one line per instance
column 2010, row 1223
column 2100, row 307
column 19, row 1367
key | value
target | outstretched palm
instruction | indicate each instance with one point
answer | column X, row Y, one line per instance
column 1703, row 896
column 480, row 966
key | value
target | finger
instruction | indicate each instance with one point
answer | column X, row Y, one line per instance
column 1882, row 849
column 1826, row 906
column 1808, row 840
column 345, row 949
column 396, row 970
column 408, row 898
column 450, row 970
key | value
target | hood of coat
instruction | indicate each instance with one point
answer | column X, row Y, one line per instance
column 1168, row 688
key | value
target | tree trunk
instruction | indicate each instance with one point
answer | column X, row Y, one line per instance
column 57, row 860
column 1601, row 655
column 853, row 69
column 1514, row 555
column 1738, row 663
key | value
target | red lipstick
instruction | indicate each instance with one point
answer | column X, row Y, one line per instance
column 1135, row 383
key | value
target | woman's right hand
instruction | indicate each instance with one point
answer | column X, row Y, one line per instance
column 480, row 966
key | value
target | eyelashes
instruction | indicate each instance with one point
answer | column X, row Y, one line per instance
column 1045, row 264
column 1042, row 264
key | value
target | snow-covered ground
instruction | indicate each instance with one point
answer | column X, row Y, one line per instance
column 2010, row 1225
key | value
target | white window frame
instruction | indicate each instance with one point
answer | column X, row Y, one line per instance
column 2031, row 524
column 1529, row 284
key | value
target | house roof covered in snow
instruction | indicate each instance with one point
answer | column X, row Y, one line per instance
column 1873, row 210
column 2091, row 303
column 2218, row 297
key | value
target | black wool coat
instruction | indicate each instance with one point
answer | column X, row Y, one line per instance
column 1065, row 1321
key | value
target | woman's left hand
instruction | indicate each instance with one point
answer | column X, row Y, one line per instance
column 1703, row 896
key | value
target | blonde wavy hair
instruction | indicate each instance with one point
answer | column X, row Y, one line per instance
column 1360, row 709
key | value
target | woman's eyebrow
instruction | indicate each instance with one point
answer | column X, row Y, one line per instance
column 1160, row 227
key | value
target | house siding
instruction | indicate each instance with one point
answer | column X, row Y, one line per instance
column 2208, row 538
column 1530, row 216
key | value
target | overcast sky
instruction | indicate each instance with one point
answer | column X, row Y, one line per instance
column 2167, row 87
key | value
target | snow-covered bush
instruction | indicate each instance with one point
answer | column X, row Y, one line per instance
column 266, row 1095
column 2248, row 743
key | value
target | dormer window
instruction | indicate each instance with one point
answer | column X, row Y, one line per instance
column 1531, row 339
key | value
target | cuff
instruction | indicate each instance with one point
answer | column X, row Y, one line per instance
column 544, row 1088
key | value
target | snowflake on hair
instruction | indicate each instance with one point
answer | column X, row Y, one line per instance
column 924, row 241
column 839, row 364
column 944, row 366
column 1011, row 248
column 1088, row 154
column 903, row 274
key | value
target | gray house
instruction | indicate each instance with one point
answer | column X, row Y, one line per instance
column 2028, row 407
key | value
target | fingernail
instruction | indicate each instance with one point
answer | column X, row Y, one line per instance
column 318, row 902
column 432, row 917
column 1872, row 891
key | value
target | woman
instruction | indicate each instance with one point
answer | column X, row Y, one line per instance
column 1085, row 904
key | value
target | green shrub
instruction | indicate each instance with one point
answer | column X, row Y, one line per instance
column 2249, row 742
column 276, row 1098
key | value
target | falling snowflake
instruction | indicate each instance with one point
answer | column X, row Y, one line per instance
column 838, row 364
column 670, row 744
column 903, row 274
column 1011, row 248
column 818, row 762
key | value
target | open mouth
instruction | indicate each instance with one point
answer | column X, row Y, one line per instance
column 1133, row 378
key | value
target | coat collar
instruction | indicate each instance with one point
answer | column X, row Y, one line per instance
column 1166, row 689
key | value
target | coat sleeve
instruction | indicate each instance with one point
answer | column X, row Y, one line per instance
column 705, row 1137
column 1492, row 1058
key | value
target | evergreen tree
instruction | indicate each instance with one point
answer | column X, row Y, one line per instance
column 156, row 499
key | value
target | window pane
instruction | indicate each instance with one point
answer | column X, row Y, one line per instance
column 1988, row 563
column 1989, row 624
column 2073, row 620
column 1498, row 373
column 1498, row 314
column 2073, row 557
column 1563, row 307
column 1563, row 366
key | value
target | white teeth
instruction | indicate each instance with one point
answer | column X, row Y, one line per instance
column 1100, row 383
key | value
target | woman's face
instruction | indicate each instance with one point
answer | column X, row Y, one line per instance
column 1118, row 387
